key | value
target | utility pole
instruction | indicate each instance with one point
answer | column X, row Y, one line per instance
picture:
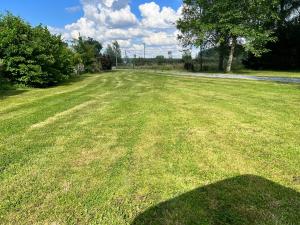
column 144, row 50
column 116, row 53
column 116, row 48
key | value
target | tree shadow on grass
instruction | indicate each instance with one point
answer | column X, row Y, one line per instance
column 7, row 89
column 243, row 200
column 10, row 92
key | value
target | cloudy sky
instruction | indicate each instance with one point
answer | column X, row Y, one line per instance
column 131, row 22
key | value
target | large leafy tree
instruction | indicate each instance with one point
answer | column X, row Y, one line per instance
column 33, row 56
column 223, row 23
column 114, row 52
column 289, row 12
column 89, row 51
column 285, row 53
column 52, row 55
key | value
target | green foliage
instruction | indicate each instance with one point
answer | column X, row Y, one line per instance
column 224, row 22
column 32, row 55
column 4, row 84
column 187, row 57
column 106, row 62
column 88, row 53
column 160, row 59
column 114, row 53
column 285, row 53
column 110, row 52
column 188, row 61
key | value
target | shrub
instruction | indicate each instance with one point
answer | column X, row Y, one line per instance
column 160, row 59
column 33, row 56
column 106, row 62
column 189, row 66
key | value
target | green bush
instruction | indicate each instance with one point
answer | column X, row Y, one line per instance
column 106, row 62
column 89, row 52
column 4, row 84
column 32, row 55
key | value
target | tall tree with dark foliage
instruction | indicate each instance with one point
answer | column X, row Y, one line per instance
column 223, row 23
column 90, row 52
column 285, row 53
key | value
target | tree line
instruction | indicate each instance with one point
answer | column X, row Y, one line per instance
column 34, row 57
column 262, row 27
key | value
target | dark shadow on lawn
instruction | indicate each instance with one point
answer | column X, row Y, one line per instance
column 10, row 92
column 243, row 200
column 7, row 89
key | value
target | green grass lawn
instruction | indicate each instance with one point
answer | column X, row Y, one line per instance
column 268, row 73
column 140, row 148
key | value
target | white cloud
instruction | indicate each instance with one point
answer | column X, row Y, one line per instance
column 161, row 39
column 108, row 20
column 125, row 43
column 122, row 17
column 154, row 16
column 54, row 30
column 73, row 9
column 83, row 27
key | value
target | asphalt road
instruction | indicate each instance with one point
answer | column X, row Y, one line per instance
column 237, row 76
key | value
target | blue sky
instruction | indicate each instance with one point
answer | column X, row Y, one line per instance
column 130, row 22
column 48, row 12
column 54, row 13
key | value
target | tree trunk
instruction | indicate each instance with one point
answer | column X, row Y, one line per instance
column 231, row 54
column 221, row 60
column 221, row 57
column 201, row 58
